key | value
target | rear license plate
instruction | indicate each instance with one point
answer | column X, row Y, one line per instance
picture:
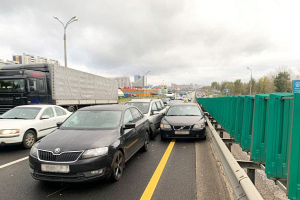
column 56, row 168
column 182, row 132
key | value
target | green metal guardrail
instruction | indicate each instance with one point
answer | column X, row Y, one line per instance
column 262, row 124
column 294, row 169
column 260, row 128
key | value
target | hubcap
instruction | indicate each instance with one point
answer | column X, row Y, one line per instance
column 29, row 140
column 119, row 165
column 146, row 141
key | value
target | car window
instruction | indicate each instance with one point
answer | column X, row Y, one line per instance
column 142, row 106
column 136, row 114
column 162, row 104
column 127, row 117
column 159, row 107
column 48, row 112
column 154, row 107
column 97, row 119
column 59, row 112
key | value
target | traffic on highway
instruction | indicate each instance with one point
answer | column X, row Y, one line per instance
column 92, row 146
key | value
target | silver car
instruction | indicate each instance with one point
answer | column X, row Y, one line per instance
column 153, row 109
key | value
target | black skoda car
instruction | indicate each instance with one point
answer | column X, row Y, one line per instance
column 94, row 142
column 183, row 120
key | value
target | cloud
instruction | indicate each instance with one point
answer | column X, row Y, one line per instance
column 178, row 41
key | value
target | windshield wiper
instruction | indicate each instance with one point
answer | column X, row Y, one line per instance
column 172, row 115
column 192, row 115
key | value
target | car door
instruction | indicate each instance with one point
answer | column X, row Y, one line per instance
column 130, row 136
column 157, row 117
column 154, row 118
column 139, row 125
column 46, row 126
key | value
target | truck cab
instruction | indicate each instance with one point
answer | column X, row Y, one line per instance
column 24, row 84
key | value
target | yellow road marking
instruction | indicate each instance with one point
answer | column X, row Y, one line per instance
column 147, row 195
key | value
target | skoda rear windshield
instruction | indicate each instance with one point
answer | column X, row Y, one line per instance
column 12, row 85
column 98, row 119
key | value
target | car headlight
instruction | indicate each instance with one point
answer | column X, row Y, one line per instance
column 198, row 126
column 95, row 152
column 9, row 131
column 165, row 126
column 33, row 150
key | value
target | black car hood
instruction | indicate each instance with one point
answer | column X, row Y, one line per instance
column 74, row 140
column 183, row 120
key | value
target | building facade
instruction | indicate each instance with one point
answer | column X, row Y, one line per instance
column 123, row 81
column 139, row 83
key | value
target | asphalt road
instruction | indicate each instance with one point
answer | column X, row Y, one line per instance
column 180, row 179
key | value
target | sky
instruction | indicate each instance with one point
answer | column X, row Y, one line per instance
column 178, row 41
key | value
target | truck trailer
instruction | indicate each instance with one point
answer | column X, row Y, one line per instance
column 53, row 84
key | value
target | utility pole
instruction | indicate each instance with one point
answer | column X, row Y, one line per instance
column 73, row 19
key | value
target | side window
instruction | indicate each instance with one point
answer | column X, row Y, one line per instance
column 127, row 117
column 162, row 104
column 49, row 112
column 32, row 83
column 154, row 107
column 59, row 112
column 136, row 114
column 158, row 105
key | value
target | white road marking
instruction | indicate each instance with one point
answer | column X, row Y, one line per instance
column 13, row 162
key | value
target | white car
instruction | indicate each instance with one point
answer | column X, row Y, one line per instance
column 25, row 124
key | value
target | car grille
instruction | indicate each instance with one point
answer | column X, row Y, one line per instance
column 64, row 157
column 57, row 177
column 181, row 127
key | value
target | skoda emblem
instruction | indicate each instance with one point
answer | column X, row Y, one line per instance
column 57, row 150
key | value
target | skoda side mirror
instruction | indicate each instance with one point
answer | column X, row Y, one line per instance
column 129, row 126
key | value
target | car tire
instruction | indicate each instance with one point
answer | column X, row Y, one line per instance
column 146, row 142
column 117, row 166
column 204, row 138
column 29, row 139
column 71, row 109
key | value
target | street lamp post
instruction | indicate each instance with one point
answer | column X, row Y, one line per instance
column 250, row 80
column 146, row 81
column 73, row 19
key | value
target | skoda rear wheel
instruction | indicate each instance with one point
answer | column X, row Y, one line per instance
column 29, row 139
column 118, row 166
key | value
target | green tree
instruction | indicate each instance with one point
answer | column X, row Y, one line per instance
column 282, row 82
column 237, row 87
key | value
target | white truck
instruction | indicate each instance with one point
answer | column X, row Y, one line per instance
column 53, row 84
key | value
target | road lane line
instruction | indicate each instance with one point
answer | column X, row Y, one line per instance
column 13, row 162
column 147, row 195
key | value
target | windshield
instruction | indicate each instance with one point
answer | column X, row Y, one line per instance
column 184, row 111
column 93, row 120
column 142, row 106
column 11, row 85
column 21, row 113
